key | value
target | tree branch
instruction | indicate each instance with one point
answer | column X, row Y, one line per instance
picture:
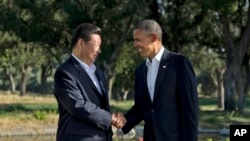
column 121, row 41
column 230, row 49
column 245, row 40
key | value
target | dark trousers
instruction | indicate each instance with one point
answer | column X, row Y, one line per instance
column 151, row 137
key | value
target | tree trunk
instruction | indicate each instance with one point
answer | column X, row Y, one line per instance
column 109, row 68
column 111, row 80
column 230, row 90
column 242, row 100
column 220, row 88
column 12, row 83
column 25, row 69
column 234, row 60
column 23, row 83
column 11, row 79
column 45, row 73
column 125, row 95
column 43, row 86
column 240, row 90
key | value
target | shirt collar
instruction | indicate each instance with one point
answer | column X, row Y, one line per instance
column 157, row 57
column 89, row 69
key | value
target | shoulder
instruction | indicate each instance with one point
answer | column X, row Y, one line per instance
column 141, row 66
column 177, row 57
column 99, row 71
column 67, row 65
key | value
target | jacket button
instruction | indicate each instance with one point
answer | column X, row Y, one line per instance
column 153, row 110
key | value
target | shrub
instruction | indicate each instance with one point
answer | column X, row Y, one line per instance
column 40, row 115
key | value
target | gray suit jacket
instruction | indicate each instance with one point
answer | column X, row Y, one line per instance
column 83, row 111
column 173, row 114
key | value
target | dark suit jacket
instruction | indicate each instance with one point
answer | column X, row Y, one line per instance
column 173, row 114
column 83, row 111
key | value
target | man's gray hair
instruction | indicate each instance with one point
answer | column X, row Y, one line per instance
column 150, row 27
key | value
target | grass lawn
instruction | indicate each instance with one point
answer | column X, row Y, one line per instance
column 36, row 112
column 211, row 117
column 27, row 112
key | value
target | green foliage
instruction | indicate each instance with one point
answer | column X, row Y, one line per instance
column 44, row 27
column 205, row 61
column 38, row 33
column 29, row 108
column 36, row 28
column 40, row 115
column 209, row 139
column 52, row 111
column 121, row 106
column 179, row 22
column 231, row 114
column 227, row 6
column 208, row 85
column 210, row 117
column 126, row 63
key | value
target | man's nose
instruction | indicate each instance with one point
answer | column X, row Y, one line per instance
column 99, row 50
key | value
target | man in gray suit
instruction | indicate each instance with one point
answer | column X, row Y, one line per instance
column 81, row 91
column 165, row 90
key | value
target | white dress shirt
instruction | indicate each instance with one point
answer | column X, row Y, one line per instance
column 90, row 71
column 152, row 72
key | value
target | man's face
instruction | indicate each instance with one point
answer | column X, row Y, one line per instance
column 91, row 49
column 143, row 43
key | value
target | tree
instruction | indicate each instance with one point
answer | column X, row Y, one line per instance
column 125, row 67
column 9, row 57
column 36, row 22
column 116, row 19
column 179, row 21
column 30, row 57
column 234, row 17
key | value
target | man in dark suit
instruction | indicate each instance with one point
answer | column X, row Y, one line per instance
column 165, row 90
column 81, row 91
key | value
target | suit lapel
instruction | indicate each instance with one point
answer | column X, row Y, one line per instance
column 84, row 74
column 145, row 69
column 144, row 82
column 101, row 82
column 162, row 70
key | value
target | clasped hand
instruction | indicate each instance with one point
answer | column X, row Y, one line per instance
column 118, row 120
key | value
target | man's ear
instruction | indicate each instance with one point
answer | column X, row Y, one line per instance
column 80, row 42
column 154, row 37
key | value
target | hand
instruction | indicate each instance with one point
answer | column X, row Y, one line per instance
column 118, row 120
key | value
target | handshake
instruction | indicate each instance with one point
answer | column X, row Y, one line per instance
column 118, row 120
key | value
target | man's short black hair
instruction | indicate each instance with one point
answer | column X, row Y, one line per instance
column 84, row 31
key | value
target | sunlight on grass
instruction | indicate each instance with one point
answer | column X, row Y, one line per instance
column 24, row 120
column 36, row 111
column 15, row 99
column 208, row 108
column 121, row 106
column 27, row 112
